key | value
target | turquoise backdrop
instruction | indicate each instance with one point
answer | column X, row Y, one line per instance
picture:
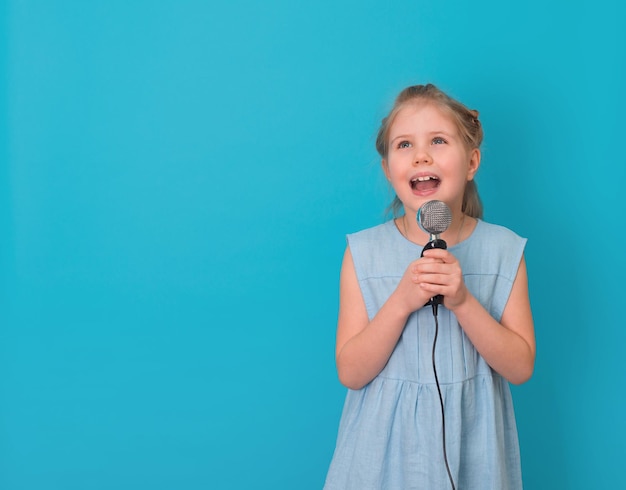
column 176, row 181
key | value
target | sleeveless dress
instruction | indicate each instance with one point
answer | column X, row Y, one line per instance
column 390, row 433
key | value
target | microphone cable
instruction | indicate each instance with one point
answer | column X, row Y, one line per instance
column 434, row 217
column 443, row 415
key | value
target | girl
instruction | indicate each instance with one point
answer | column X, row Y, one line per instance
column 410, row 422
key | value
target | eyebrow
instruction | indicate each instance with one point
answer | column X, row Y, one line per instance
column 399, row 137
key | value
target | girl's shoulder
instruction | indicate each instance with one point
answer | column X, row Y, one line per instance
column 485, row 231
column 379, row 239
column 386, row 229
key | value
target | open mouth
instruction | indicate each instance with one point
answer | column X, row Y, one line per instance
column 425, row 183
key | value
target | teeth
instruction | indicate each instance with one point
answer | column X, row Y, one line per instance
column 424, row 179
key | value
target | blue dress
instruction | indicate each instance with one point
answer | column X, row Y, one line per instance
column 390, row 433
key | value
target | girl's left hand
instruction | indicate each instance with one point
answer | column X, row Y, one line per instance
column 441, row 274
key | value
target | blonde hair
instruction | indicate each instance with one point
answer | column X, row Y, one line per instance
column 467, row 123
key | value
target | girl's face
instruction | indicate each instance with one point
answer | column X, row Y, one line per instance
column 427, row 158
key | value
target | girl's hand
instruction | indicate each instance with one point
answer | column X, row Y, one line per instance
column 439, row 272
column 410, row 291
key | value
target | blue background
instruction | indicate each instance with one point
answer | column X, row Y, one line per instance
column 177, row 179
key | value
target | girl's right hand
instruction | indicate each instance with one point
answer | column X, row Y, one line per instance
column 409, row 291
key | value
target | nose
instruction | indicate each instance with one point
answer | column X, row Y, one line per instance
column 422, row 157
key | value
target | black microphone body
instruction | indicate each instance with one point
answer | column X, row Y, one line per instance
column 434, row 217
column 435, row 243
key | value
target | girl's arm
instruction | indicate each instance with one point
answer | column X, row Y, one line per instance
column 364, row 347
column 508, row 346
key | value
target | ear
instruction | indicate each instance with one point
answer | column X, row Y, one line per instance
column 385, row 166
column 474, row 163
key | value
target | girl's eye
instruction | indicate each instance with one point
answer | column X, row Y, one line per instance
column 404, row 144
column 439, row 141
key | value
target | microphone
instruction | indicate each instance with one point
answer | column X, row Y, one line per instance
column 434, row 217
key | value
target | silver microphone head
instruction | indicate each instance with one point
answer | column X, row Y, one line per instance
column 434, row 217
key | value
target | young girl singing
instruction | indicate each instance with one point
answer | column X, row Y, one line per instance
column 421, row 414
